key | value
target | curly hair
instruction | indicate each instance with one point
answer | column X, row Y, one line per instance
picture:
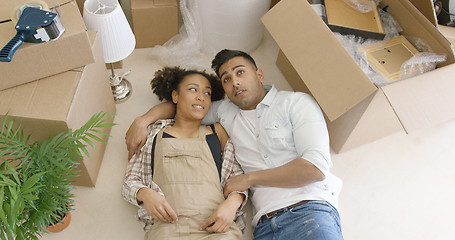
column 168, row 79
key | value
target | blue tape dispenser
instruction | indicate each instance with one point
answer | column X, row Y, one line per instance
column 34, row 25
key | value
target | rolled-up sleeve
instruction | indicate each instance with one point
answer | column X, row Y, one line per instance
column 310, row 132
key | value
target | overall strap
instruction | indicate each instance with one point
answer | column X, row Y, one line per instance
column 202, row 131
column 159, row 135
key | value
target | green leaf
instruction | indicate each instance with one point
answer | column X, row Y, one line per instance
column 106, row 125
column 31, row 181
column 101, row 132
column 87, row 140
column 2, row 196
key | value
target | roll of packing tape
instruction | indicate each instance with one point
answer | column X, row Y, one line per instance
column 17, row 11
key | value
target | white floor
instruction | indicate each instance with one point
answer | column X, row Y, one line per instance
column 399, row 187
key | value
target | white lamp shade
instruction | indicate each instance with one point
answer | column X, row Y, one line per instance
column 107, row 18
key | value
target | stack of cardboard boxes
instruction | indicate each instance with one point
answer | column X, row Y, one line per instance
column 53, row 86
column 357, row 112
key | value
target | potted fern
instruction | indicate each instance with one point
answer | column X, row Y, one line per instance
column 35, row 176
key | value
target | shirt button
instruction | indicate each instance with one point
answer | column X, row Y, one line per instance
column 276, row 125
column 257, row 135
column 222, row 120
column 259, row 116
column 265, row 156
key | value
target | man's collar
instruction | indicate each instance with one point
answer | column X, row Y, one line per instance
column 271, row 92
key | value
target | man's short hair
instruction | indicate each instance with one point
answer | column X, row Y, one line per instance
column 225, row 55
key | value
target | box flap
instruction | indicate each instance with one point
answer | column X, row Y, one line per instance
column 332, row 75
column 426, row 7
column 9, row 6
column 426, row 101
column 416, row 25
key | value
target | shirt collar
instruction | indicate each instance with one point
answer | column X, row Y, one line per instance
column 271, row 92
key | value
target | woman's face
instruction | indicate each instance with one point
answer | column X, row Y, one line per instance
column 193, row 97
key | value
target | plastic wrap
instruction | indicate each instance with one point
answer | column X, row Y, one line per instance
column 420, row 63
column 391, row 27
column 184, row 49
column 424, row 61
column 363, row 6
column 352, row 44
column 210, row 26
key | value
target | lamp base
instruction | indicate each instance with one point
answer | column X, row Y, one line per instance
column 121, row 91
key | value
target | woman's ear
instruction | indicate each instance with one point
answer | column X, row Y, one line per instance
column 175, row 96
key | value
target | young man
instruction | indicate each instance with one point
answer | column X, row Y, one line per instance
column 282, row 144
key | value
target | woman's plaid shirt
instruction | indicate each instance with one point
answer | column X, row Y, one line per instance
column 139, row 175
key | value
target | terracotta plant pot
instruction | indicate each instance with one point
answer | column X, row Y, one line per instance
column 60, row 225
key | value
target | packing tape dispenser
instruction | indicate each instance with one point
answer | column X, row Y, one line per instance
column 33, row 25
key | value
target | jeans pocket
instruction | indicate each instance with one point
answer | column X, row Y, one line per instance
column 318, row 212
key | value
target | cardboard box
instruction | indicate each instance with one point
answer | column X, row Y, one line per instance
column 346, row 20
column 80, row 5
column 426, row 7
column 63, row 101
column 154, row 21
column 273, row 3
column 358, row 112
column 448, row 32
column 33, row 61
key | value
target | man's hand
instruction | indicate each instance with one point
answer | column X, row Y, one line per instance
column 236, row 183
column 224, row 215
column 136, row 136
column 156, row 205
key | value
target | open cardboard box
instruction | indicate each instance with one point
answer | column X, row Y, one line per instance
column 64, row 101
column 357, row 112
column 33, row 61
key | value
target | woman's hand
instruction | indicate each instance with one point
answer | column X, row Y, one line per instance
column 136, row 136
column 156, row 205
column 224, row 215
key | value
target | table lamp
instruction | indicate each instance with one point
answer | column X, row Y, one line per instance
column 117, row 39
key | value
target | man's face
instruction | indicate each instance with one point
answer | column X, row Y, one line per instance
column 242, row 82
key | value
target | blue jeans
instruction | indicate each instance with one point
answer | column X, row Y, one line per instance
column 314, row 220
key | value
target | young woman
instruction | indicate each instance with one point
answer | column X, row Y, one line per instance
column 178, row 178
